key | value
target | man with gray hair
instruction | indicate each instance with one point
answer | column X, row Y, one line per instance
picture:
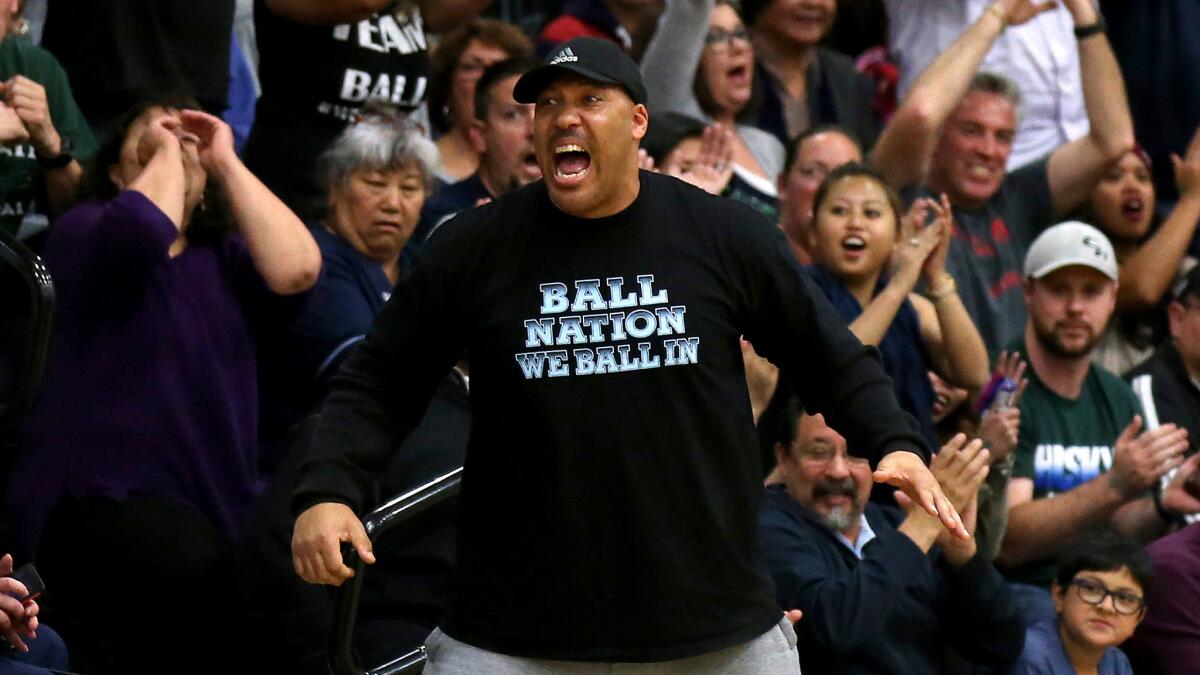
column 954, row 134
column 1083, row 460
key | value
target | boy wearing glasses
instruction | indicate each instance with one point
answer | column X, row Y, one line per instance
column 1100, row 597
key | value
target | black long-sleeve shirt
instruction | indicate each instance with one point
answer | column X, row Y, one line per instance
column 896, row 610
column 612, row 483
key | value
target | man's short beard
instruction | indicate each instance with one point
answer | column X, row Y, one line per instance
column 839, row 518
column 1048, row 338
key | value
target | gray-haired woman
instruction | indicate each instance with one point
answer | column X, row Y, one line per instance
column 378, row 173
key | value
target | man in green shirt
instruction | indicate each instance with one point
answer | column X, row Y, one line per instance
column 43, row 135
column 1082, row 460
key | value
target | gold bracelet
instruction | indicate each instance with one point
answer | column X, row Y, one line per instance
column 997, row 11
column 949, row 288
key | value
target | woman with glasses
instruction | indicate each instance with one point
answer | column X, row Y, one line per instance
column 700, row 64
column 1100, row 598
column 1151, row 251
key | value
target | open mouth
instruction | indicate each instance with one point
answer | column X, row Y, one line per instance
column 1132, row 208
column 529, row 164
column 571, row 161
column 738, row 72
column 854, row 244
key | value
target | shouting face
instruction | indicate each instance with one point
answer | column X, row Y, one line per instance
column 586, row 135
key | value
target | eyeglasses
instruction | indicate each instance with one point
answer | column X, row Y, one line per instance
column 1094, row 593
column 821, row 456
column 719, row 38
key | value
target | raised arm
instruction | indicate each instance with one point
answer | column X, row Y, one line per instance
column 954, row 342
column 671, row 58
column 29, row 101
column 907, row 143
column 1075, row 167
column 283, row 251
column 1148, row 273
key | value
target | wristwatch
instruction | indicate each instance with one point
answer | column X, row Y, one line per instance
column 63, row 158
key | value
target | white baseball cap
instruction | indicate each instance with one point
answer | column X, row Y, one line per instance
column 1071, row 243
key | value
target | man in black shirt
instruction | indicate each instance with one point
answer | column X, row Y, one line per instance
column 609, row 505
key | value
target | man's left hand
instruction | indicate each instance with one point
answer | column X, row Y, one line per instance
column 906, row 470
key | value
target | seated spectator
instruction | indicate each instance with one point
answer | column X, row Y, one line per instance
column 857, row 232
column 701, row 64
column 454, row 68
column 43, row 136
column 1151, row 253
column 1040, row 54
column 1082, row 459
column 625, row 22
column 1167, row 642
column 142, row 462
column 319, row 63
column 378, row 173
column 811, row 157
column 1100, row 598
column 954, row 134
column 1166, row 384
column 804, row 84
column 875, row 598
column 502, row 134
column 33, row 648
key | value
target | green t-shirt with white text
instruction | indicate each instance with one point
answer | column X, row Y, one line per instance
column 1065, row 443
column 21, row 190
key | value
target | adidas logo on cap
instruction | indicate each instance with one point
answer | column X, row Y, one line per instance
column 565, row 56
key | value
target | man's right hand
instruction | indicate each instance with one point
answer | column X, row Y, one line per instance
column 317, row 543
column 1141, row 459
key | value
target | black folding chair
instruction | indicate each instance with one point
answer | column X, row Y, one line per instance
column 342, row 658
column 26, row 312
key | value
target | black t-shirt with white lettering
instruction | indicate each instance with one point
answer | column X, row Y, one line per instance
column 612, row 477
column 315, row 79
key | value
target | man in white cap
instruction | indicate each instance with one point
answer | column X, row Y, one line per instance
column 1083, row 460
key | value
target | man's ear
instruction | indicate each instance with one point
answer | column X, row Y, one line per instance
column 475, row 134
column 114, row 174
column 1175, row 314
column 641, row 121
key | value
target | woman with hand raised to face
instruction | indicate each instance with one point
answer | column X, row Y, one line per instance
column 870, row 260
column 140, row 456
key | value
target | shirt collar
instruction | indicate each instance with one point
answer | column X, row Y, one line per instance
column 865, row 535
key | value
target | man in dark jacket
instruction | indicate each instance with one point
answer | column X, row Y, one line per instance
column 875, row 598
column 1168, row 387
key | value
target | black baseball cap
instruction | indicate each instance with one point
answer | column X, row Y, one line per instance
column 589, row 57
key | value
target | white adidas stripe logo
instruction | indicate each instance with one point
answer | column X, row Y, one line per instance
column 565, row 56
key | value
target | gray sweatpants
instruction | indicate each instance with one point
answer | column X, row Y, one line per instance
column 772, row 653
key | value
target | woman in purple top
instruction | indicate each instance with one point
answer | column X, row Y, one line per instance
column 139, row 458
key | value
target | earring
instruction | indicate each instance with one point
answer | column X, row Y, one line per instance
column 21, row 27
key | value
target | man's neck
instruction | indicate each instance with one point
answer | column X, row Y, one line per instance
column 493, row 183
column 1086, row 660
column 851, row 533
column 1193, row 369
column 784, row 60
column 1063, row 375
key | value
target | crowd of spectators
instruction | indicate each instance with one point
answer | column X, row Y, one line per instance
column 996, row 197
